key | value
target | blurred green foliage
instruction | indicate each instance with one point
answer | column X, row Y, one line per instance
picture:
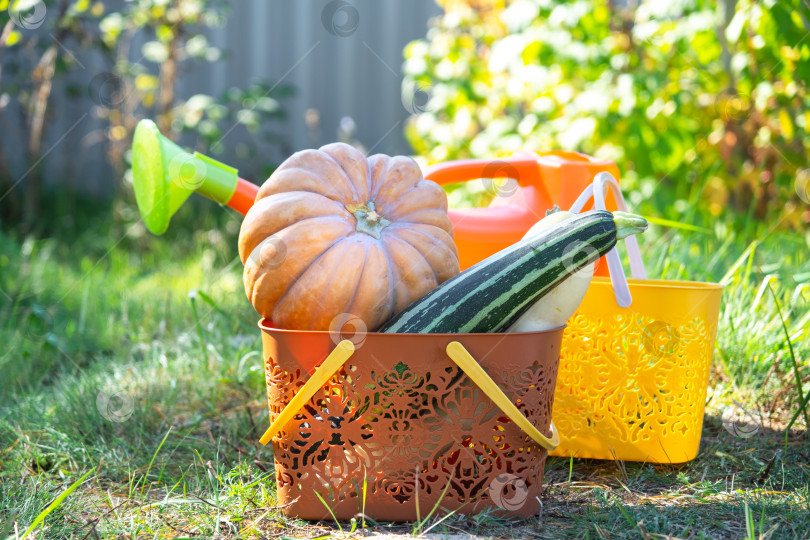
column 147, row 87
column 147, row 46
column 703, row 103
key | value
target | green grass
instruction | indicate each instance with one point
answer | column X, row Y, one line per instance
column 107, row 371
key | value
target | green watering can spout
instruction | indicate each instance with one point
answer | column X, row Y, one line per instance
column 164, row 175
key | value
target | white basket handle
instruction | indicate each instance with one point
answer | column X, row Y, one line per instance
column 598, row 189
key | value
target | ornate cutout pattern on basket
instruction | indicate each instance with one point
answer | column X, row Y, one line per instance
column 636, row 383
column 408, row 428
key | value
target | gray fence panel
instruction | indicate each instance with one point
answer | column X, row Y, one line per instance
column 356, row 75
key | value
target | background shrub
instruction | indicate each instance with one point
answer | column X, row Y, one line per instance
column 703, row 104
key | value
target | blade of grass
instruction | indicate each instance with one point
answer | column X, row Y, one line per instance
column 210, row 301
column 447, row 515
column 796, row 374
column 762, row 521
column 630, row 519
column 57, row 502
column 802, row 407
column 254, row 524
column 724, row 360
column 801, row 277
column 439, row 522
column 749, row 523
column 330, row 511
column 677, row 225
column 192, row 296
column 416, row 492
column 152, row 461
column 435, row 506
column 719, row 256
column 803, row 323
column 766, row 284
column 747, row 254
column 365, row 486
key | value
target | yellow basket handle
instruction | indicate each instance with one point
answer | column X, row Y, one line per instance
column 455, row 351
column 328, row 367
column 476, row 373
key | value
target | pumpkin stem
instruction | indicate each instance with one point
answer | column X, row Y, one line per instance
column 368, row 220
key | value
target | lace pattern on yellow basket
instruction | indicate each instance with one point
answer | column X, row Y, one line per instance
column 633, row 382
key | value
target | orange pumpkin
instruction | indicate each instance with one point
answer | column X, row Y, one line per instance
column 334, row 233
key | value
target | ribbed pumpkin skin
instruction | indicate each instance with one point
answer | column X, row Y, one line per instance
column 305, row 260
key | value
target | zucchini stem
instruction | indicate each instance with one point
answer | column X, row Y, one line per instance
column 628, row 224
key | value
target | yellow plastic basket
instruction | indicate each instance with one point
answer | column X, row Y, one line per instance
column 632, row 380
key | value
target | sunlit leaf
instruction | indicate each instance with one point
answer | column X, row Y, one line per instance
column 155, row 51
column 18, row 6
column 80, row 6
column 673, row 97
column 165, row 33
column 786, row 124
column 146, row 82
column 14, row 37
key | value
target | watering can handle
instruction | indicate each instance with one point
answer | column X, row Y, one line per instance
column 455, row 350
column 597, row 190
column 523, row 168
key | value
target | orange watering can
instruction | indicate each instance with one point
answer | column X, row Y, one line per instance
column 164, row 175
column 541, row 181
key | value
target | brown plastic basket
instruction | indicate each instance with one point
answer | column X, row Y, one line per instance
column 404, row 423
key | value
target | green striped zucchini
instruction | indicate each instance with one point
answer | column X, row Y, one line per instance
column 493, row 294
